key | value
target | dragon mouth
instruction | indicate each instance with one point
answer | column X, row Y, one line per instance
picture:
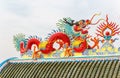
column 83, row 26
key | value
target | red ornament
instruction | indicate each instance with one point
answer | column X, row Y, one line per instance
column 107, row 33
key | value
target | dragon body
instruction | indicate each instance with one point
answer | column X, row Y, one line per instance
column 49, row 46
column 53, row 38
column 30, row 42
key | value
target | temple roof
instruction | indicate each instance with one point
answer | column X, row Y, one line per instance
column 108, row 68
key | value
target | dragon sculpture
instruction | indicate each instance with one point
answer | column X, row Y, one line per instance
column 69, row 31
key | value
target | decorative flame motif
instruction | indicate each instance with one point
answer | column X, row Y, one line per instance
column 110, row 25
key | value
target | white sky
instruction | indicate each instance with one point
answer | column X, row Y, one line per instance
column 39, row 17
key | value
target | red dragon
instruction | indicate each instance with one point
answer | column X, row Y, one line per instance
column 64, row 37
